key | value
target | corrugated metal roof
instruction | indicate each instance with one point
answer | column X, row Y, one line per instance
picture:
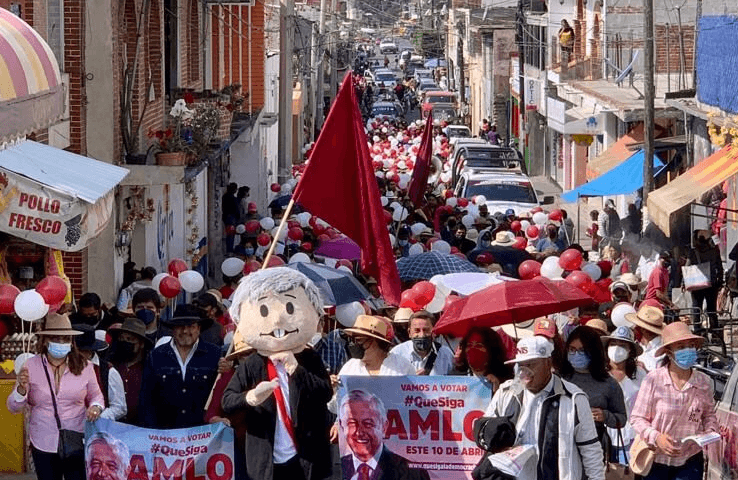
column 75, row 175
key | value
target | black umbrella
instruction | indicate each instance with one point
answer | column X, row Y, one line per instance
column 337, row 287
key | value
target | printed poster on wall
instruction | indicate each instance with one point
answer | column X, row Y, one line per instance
column 416, row 427
column 117, row 451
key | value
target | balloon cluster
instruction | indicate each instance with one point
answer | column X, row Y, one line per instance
column 178, row 277
column 32, row 305
column 431, row 296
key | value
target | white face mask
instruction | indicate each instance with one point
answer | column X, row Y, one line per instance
column 617, row 353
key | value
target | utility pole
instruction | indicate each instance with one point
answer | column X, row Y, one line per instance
column 521, row 75
column 286, row 48
column 460, row 63
column 320, row 83
column 648, row 120
column 334, row 50
column 314, row 67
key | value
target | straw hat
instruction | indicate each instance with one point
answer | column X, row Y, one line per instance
column 239, row 347
column 676, row 332
column 631, row 279
column 371, row 326
column 58, row 325
column 598, row 325
column 624, row 334
column 648, row 317
column 641, row 457
column 403, row 315
column 503, row 239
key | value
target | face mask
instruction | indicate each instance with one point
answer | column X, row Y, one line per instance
column 685, row 358
column 124, row 351
column 248, row 251
column 617, row 353
column 476, row 358
column 59, row 350
column 355, row 350
column 524, row 374
column 422, row 344
column 579, row 360
column 486, row 243
column 402, row 242
column 146, row 316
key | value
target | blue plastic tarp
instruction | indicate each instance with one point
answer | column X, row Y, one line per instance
column 624, row 179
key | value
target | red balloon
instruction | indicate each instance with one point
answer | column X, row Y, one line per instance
column 53, row 289
column 176, row 267
column 448, row 193
column 295, row 234
column 344, row 263
column 263, row 239
column 520, row 243
column 275, row 261
column 571, row 259
column 407, row 299
column 529, row 269
column 331, row 232
column 462, row 202
column 580, row 280
column 454, row 250
column 387, row 217
column 252, row 266
column 605, row 268
column 449, row 300
column 532, row 232
column 556, row 215
column 230, row 230
column 293, row 224
column 275, row 187
column 7, row 298
column 307, row 247
column 170, row 286
column 516, row 226
column 485, row 258
column 424, row 293
column 252, row 226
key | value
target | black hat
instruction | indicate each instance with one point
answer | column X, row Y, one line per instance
column 132, row 325
column 87, row 340
column 187, row 315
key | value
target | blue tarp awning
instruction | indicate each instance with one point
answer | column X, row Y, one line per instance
column 624, row 179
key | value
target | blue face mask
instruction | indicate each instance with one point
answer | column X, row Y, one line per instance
column 146, row 316
column 248, row 251
column 579, row 360
column 402, row 242
column 685, row 358
column 59, row 350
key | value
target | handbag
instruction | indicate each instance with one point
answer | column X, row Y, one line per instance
column 641, row 457
column 616, row 470
column 697, row 277
column 71, row 443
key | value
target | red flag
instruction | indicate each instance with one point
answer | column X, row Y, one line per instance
column 419, row 180
column 339, row 186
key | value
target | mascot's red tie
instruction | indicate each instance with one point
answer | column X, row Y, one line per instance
column 287, row 420
column 364, row 470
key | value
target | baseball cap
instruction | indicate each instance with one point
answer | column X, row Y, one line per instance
column 252, row 207
column 532, row 348
column 545, row 328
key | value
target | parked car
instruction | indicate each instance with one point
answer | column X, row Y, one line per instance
column 457, row 131
column 425, row 85
column 437, row 99
column 387, row 109
column 503, row 190
column 387, row 46
column 722, row 457
column 386, row 78
column 423, row 73
column 442, row 111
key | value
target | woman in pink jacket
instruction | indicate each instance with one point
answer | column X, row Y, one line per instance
column 76, row 393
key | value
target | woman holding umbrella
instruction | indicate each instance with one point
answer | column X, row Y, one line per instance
column 481, row 353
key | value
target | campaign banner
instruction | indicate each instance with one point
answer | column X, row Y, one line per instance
column 117, row 451
column 415, row 427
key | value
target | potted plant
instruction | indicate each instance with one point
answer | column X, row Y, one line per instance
column 187, row 134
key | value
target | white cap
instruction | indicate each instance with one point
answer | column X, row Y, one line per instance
column 532, row 348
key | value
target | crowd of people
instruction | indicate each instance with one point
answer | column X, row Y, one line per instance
column 580, row 386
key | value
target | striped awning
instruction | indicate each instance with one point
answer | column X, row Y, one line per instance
column 31, row 91
column 616, row 154
column 690, row 186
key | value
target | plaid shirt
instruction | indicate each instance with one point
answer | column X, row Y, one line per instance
column 332, row 350
column 661, row 408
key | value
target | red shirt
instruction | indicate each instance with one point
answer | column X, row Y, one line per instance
column 657, row 282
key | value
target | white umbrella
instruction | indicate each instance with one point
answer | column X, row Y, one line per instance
column 467, row 283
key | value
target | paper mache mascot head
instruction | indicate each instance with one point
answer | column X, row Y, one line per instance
column 277, row 310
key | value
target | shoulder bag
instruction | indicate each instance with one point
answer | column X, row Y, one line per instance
column 697, row 277
column 616, row 470
column 71, row 443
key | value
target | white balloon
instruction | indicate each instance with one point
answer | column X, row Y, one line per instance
column 395, row 205
column 415, row 249
column 282, row 236
column 451, row 201
column 384, row 201
column 279, row 249
column 267, row 223
column 441, row 246
column 403, row 183
column 439, row 300
column 193, row 282
column 417, row 228
column 240, row 229
column 467, row 220
column 231, row 266
column 619, row 312
column 346, row 314
column 30, row 306
column 472, row 210
column 480, row 199
column 161, row 276
column 21, row 360
column 551, row 269
column 304, row 219
column 540, row 218
column 592, row 270
column 524, row 224
column 300, row 258
column 400, row 214
column 404, row 176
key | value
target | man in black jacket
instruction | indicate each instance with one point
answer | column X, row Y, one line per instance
column 179, row 375
column 284, row 388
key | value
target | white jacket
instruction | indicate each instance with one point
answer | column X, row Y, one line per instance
column 579, row 450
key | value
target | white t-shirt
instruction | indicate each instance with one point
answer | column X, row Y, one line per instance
column 630, row 392
column 393, row 365
column 284, row 447
column 648, row 358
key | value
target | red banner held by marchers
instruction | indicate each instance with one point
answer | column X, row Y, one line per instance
column 419, row 180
